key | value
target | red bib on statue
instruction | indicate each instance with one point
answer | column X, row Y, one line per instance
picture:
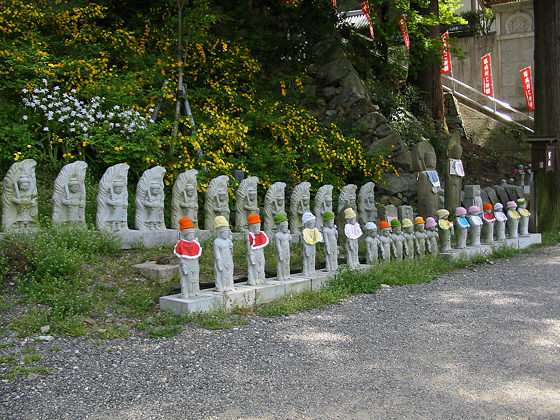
column 489, row 216
column 188, row 249
column 258, row 240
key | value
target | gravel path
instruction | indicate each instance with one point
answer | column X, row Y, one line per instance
column 481, row 343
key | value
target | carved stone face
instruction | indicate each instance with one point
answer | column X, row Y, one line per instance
column 254, row 227
column 386, row 232
column 117, row 187
column 73, row 187
column 305, row 200
column 329, row 223
column 279, row 200
column 283, row 226
column 188, row 234
column 397, row 230
column 408, row 229
column 252, row 196
column 420, row 227
column 328, row 203
column 190, row 190
column 370, row 198
column 310, row 224
column 351, row 202
column 430, row 161
column 24, row 184
column 372, row 233
column 155, row 190
column 351, row 221
column 222, row 197
column 223, row 232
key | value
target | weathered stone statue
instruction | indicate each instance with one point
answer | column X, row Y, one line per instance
column 428, row 184
column 19, row 197
column 433, row 236
column 399, row 242
column 69, row 195
column 184, row 198
column 310, row 237
column 513, row 217
column 274, row 203
column 323, row 203
column 217, row 201
column 299, row 204
column 445, row 229
column 367, row 210
column 520, row 175
column 524, row 220
column 330, row 237
column 405, row 212
column 389, row 212
column 223, row 255
column 246, row 202
column 282, row 240
column 372, row 243
column 385, row 239
column 346, row 199
column 488, row 221
column 409, row 238
column 188, row 251
column 472, row 196
column 352, row 231
column 501, row 192
column 112, row 199
column 149, row 200
column 454, row 172
column 476, row 225
column 501, row 219
column 420, row 236
column 461, row 227
column 256, row 241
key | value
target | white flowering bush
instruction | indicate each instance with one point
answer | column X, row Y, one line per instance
column 69, row 128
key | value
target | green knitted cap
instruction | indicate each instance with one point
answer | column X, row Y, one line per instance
column 328, row 215
column 279, row 218
column 395, row 223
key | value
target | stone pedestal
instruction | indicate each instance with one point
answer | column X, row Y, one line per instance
column 157, row 272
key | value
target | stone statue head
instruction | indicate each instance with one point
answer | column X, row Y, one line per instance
column 24, row 183
column 155, row 189
column 190, row 190
column 252, row 195
column 454, row 149
column 74, row 186
column 118, row 187
column 424, row 157
column 283, row 226
column 222, row 197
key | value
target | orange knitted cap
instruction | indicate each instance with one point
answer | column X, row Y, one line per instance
column 186, row 223
column 419, row 220
column 487, row 206
column 383, row 224
column 253, row 218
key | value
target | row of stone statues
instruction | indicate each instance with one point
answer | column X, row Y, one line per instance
column 396, row 240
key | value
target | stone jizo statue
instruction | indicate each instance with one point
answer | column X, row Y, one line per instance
column 421, row 238
column 352, row 231
column 445, row 230
column 188, row 250
column 274, row 203
column 310, row 237
column 409, row 238
column 501, row 219
column 462, row 226
column 223, row 255
column 246, row 202
column 372, row 243
column 149, row 200
column 69, row 195
column 112, row 199
column 524, row 220
column 428, row 183
column 385, row 239
column 475, row 221
column 513, row 217
column 217, row 201
column 323, row 203
column 282, row 240
column 299, row 204
column 330, row 238
column 346, row 199
column 488, row 222
column 256, row 241
column 184, row 198
column 433, row 236
column 454, row 172
column 367, row 209
column 19, row 197
column 399, row 243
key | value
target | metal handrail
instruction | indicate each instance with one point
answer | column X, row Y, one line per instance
column 490, row 99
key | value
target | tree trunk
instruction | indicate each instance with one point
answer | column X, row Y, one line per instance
column 426, row 72
column 179, row 95
column 547, row 98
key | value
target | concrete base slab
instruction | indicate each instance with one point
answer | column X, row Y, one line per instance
column 203, row 303
column 269, row 292
column 297, row 284
column 242, row 297
column 531, row 239
column 157, row 272
column 133, row 238
column 322, row 279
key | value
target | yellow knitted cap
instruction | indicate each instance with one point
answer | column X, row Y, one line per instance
column 406, row 223
column 220, row 221
column 349, row 213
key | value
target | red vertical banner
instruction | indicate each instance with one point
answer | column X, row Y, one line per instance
column 365, row 9
column 528, row 88
column 334, row 3
column 487, row 87
column 404, row 31
column 445, row 54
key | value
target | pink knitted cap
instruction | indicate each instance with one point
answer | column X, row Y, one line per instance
column 461, row 211
column 430, row 222
column 474, row 209
column 511, row 205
